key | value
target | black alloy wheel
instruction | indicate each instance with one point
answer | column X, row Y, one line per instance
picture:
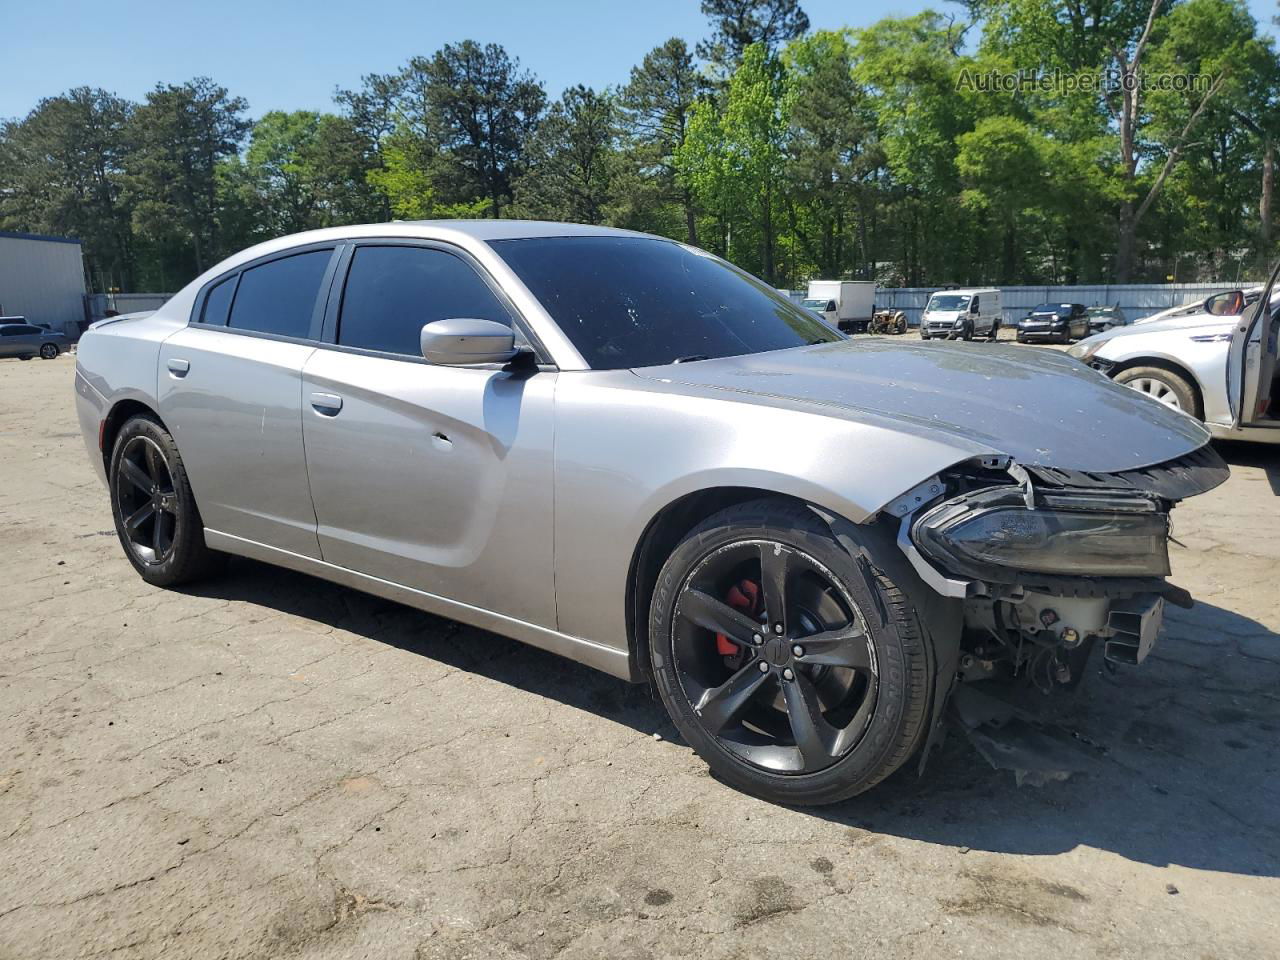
column 146, row 499
column 48, row 350
column 795, row 670
column 155, row 512
column 798, row 690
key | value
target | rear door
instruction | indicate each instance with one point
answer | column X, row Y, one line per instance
column 230, row 390
column 1252, row 363
column 435, row 477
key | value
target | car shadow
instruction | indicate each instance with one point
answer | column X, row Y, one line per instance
column 1266, row 457
column 1187, row 768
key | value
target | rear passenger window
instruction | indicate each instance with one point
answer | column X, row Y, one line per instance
column 392, row 292
column 218, row 303
column 279, row 297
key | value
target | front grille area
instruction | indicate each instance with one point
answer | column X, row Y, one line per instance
column 1193, row 473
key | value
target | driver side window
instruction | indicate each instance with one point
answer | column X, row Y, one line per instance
column 392, row 292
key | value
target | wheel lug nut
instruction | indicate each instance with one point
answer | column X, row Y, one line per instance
column 798, row 650
column 777, row 628
column 764, row 667
column 788, row 675
column 756, row 638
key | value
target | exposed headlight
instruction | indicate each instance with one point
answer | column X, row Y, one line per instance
column 987, row 534
column 1085, row 349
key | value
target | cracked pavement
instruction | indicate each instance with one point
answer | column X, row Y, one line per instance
column 270, row 765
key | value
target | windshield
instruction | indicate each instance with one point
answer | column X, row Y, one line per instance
column 815, row 304
column 948, row 302
column 1102, row 311
column 637, row 302
column 1057, row 309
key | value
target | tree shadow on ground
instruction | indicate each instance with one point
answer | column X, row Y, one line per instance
column 1188, row 773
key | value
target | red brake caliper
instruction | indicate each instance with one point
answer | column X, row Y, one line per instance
column 745, row 597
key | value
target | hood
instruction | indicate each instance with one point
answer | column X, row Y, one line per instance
column 1040, row 407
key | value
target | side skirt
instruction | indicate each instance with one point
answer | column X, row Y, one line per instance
column 608, row 659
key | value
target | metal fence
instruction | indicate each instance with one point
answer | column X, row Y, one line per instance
column 1137, row 300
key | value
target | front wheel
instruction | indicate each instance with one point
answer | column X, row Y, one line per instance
column 155, row 512
column 1162, row 385
column 48, row 351
column 795, row 674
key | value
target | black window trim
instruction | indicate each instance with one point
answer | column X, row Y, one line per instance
column 342, row 270
column 335, row 248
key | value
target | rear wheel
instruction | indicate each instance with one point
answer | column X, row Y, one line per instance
column 155, row 512
column 1162, row 385
column 796, row 675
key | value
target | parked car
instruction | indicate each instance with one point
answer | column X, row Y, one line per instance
column 627, row 451
column 1217, row 367
column 1104, row 318
column 962, row 315
column 25, row 340
column 1062, row 322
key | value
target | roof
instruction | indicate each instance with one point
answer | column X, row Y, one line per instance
column 521, row 229
column 11, row 235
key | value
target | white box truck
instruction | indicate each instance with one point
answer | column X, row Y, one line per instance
column 844, row 304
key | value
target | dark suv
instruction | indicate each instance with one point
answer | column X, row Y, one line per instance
column 1063, row 322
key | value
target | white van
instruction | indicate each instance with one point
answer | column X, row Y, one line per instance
column 961, row 314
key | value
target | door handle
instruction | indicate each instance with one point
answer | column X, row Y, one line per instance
column 178, row 367
column 326, row 404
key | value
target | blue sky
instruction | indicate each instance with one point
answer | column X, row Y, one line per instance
column 283, row 54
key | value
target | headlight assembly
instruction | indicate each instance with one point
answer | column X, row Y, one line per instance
column 993, row 535
column 1085, row 349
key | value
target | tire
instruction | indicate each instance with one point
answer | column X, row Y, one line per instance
column 1163, row 386
column 48, row 351
column 25, row 356
column 159, row 528
column 858, row 702
column 994, row 335
column 923, row 335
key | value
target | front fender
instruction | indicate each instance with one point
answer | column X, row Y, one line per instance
column 625, row 451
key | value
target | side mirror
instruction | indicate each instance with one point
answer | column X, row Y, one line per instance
column 463, row 341
column 1227, row 304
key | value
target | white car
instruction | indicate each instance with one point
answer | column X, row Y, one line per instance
column 1219, row 304
column 1216, row 363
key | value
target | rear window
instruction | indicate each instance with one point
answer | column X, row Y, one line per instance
column 217, row 305
column 279, row 297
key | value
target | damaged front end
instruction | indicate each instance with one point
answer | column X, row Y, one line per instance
column 1048, row 564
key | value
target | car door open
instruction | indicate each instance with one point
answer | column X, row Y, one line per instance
column 1252, row 366
column 435, row 477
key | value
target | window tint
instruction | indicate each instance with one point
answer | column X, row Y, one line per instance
column 218, row 303
column 392, row 292
column 278, row 297
column 635, row 302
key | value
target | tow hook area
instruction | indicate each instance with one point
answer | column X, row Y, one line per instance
column 1010, row 738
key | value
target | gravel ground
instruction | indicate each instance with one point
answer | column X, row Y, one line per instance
column 269, row 765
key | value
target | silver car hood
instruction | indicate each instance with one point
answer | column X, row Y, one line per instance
column 1040, row 407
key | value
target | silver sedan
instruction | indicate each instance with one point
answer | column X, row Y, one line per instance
column 625, row 450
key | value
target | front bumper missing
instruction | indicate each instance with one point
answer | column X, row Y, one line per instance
column 1134, row 626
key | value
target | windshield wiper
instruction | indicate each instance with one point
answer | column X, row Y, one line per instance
column 691, row 358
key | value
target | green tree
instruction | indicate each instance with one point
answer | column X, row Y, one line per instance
column 61, row 173
column 179, row 137
column 572, row 159
column 655, row 107
column 833, row 157
column 481, row 109
column 734, row 161
column 737, row 24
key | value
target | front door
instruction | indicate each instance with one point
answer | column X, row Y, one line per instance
column 230, row 391
column 433, row 477
column 1252, row 366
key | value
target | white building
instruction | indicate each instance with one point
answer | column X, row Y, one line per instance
column 42, row 279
